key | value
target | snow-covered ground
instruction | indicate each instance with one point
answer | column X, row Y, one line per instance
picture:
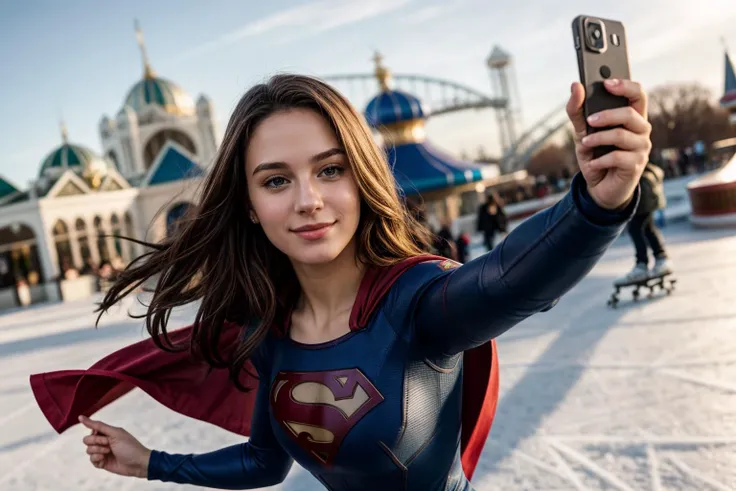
column 638, row 398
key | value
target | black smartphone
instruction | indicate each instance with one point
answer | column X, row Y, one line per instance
column 602, row 53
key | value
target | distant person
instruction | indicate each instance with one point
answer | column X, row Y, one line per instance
column 699, row 156
column 683, row 162
column 24, row 292
column 644, row 231
column 444, row 242
column 462, row 247
column 491, row 220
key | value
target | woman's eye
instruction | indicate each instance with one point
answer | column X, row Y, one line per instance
column 275, row 182
column 333, row 171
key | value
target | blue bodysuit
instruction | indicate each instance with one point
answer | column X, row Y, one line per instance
column 380, row 407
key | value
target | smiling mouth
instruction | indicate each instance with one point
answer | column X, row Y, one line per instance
column 313, row 228
column 314, row 232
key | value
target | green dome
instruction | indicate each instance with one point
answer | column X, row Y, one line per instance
column 75, row 157
column 161, row 92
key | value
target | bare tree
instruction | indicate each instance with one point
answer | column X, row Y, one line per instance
column 682, row 114
column 551, row 160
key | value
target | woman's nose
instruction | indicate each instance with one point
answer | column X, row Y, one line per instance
column 309, row 199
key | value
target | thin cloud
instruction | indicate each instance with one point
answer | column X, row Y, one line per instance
column 312, row 18
column 426, row 14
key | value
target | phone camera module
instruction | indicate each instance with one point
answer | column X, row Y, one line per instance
column 595, row 35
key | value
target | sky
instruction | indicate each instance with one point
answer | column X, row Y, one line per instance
column 76, row 60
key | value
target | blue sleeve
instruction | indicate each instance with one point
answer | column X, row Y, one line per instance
column 539, row 261
column 258, row 463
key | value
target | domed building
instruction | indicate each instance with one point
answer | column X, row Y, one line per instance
column 76, row 158
column 156, row 111
column 420, row 168
column 57, row 233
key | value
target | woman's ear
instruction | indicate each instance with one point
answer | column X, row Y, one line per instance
column 253, row 217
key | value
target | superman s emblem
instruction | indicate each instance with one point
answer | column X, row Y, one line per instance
column 317, row 409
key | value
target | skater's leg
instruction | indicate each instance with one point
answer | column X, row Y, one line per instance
column 636, row 231
column 488, row 239
column 641, row 269
column 654, row 237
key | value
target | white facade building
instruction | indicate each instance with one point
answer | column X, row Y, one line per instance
column 154, row 154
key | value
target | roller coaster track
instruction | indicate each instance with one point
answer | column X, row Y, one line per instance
column 444, row 96
column 519, row 154
column 441, row 96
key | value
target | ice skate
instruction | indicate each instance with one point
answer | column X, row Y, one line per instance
column 639, row 273
column 662, row 267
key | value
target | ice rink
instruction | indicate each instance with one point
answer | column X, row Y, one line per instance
column 638, row 398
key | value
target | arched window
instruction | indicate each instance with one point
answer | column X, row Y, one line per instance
column 129, row 232
column 117, row 230
column 113, row 157
column 81, row 228
column 19, row 258
column 157, row 142
column 63, row 246
column 101, row 240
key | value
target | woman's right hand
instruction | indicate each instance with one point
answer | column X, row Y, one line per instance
column 115, row 450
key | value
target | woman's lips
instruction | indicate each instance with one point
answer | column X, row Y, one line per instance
column 313, row 232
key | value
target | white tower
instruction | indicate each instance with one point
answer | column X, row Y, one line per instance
column 503, row 83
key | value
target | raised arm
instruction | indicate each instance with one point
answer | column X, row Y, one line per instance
column 258, row 463
column 538, row 262
column 552, row 251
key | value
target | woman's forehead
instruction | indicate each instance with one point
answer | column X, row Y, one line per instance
column 290, row 137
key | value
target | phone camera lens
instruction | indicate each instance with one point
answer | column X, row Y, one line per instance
column 595, row 37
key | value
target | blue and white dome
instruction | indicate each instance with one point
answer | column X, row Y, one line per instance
column 394, row 106
column 417, row 165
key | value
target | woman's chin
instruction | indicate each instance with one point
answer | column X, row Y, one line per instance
column 314, row 256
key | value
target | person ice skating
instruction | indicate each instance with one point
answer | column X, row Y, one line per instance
column 371, row 364
column 644, row 232
column 491, row 220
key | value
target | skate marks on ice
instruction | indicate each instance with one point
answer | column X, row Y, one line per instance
column 603, row 438
column 639, row 399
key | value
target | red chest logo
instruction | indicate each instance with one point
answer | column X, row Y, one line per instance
column 317, row 409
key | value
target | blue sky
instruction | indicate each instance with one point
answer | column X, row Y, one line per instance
column 78, row 58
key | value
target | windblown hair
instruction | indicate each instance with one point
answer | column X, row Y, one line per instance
column 218, row 257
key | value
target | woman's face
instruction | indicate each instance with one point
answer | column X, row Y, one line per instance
column 301, row 186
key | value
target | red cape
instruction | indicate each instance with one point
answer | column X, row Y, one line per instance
column 190, row 388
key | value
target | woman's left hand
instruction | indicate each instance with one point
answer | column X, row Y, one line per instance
column 613, row 177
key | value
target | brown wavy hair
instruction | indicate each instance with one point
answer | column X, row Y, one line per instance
column 218, row 257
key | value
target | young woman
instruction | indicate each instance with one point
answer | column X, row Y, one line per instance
column 299, row 209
